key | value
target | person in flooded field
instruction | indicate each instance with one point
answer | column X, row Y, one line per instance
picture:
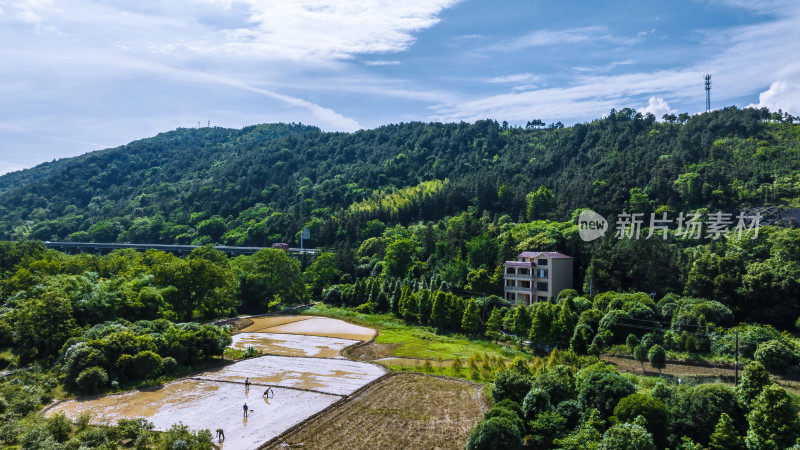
column 220, row 435
column 245, row 408
column 247, row 384
column 268, row 391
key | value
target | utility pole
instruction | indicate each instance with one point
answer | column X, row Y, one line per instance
column 736, row 361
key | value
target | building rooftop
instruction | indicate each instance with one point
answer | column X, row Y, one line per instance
column 551, row 255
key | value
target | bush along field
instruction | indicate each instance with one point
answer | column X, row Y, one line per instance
column 567, row 397
column 576, row 402
column 75, row 325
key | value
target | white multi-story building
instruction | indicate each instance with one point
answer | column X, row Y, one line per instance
column 536, row 277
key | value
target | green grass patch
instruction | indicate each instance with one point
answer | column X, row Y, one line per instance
column 414, row 341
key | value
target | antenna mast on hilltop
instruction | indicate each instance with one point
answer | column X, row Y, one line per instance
column 708, row 92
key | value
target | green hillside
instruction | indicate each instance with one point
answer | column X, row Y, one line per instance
column 449, row 201
column 263, row 183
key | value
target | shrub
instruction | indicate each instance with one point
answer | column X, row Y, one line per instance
column 511, row 405
column 657, row 357
column 652, row 409
column 251, row 352
column 499, row 411
column 510, row 384
column 754, row 379
column 696, row 410
column 570, row 410
column 146, row 364
column 773, row 420
column 59, row 426
column 179, row 437
column 631, row 341
column 640, row 354
column 496, row 433
column 133, row 428
column 38, row 437
column 547, row 426
column 627, row 436
column 614, row 321
column 603, row 391
column 776, row 355
column 91, row 380
column 558, row 381
column 170, row 365
column 536, row 401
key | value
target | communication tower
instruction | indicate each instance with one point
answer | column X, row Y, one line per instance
column 708, row 92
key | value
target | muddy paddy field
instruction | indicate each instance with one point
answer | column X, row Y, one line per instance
column 352, row 404
column 303, row 366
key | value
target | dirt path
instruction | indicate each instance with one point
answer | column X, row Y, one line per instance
column 402, row 411
column 687, row 371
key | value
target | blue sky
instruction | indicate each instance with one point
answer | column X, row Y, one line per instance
column 78, row 76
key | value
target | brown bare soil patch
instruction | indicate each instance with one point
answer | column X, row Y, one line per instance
column 371, row 351
column 261, row 323
column 403, row 411
column 321, row 326
column 676, row 369
column 237, row 324
column 722, row 374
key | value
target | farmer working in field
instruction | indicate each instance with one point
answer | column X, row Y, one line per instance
column 247, row 384
column 268, row 391
column 220, row 435
column 245, row 408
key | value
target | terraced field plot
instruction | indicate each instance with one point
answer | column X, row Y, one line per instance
column 292, row 344
column 406, row 411
column 214, row 399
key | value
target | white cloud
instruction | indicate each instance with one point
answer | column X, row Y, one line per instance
column 544, row 38
column 749, row 55
column 515, row 78
column 382, row 63
column 606, row 67
column 783, row 95
column 524, row 87
column 658, row 107
column 589, row 96
column 324, row 29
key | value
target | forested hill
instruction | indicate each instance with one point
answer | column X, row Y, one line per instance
column 262, row 184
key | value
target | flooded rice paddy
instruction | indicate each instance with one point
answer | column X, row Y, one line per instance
column 303, row 366
column 292, row 344
column 321, row 326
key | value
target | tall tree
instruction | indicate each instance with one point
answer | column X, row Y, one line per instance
column 471, row 322
column 773, row 420
column 657, row 357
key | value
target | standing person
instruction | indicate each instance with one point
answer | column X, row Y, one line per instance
column 245, row 408
column 247, row 384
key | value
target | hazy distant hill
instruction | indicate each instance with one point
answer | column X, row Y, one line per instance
column 263, row 183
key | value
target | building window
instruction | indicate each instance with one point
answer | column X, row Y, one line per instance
column 541, row 273
column 541, row 286
column 542, row 262
column 525, row 284
column 524, row 272
column 510, row 283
